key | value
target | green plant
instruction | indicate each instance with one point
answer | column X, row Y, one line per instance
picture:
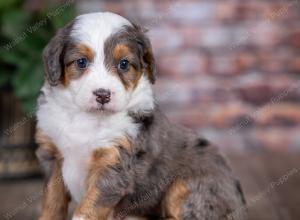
column 23, row 35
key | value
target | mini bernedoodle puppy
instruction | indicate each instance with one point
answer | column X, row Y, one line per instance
column 105, row 143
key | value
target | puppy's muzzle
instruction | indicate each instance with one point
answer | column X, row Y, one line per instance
column 102, row 96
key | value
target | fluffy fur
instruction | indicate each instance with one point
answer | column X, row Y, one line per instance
column 122, row 158
column 69, row 116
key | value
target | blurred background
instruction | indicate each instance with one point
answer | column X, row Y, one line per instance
column 228, row 69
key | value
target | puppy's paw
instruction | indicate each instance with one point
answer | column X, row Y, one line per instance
column 78, row 218
column 134, row 218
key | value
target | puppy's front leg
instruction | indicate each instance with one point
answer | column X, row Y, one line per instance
column 55, row 197
column 104, row 186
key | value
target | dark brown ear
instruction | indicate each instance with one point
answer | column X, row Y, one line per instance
column 53, row 55
column 147, row 58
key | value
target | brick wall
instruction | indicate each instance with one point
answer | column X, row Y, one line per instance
column 230, row 69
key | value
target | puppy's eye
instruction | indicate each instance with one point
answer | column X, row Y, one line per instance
column 82, row 63
column 123, row 65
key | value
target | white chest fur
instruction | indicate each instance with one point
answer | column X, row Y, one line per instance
column 77, row 134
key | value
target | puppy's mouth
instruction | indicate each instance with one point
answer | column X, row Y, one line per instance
column 100, row 108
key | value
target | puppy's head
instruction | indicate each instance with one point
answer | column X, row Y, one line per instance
column 101, row 62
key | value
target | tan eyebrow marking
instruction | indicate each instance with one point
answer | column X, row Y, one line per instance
column 77, row 51
column 121, row 51
column 87, row 51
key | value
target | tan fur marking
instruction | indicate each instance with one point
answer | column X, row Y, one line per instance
column 86, row 51
column 88, row 208
column 46, row 144
column 136, row 75
column 124, row 143
column 71, row 71
column 121, row 51
column 131, row 77
column 56, row 197
column 174, row 199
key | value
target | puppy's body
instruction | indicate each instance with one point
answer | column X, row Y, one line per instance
column 110, row 145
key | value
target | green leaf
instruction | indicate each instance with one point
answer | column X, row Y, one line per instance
column 28, row 80
column 28, row 105
column 12, row 57
column 14, row 24
column 33, row 44
column 4, row 4
column 62, row 15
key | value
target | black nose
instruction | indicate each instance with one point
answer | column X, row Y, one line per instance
column 102, row 96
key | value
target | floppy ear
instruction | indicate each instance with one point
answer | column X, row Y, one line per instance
column 149, row 60
column 53, row 56
column 147, row 56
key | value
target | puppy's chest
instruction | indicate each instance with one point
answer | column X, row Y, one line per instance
column 77, row 136
column 77, row 157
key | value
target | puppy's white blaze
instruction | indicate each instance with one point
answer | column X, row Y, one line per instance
column 94, row 28
column 65, row 114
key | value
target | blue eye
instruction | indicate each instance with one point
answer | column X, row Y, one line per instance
column 82, row 63
column 123, row 65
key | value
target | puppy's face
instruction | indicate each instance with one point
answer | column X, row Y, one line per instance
column 101, row 63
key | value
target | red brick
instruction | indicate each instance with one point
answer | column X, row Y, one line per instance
column 165, row 39
column 215, row 36
column 295, row 64
column 204, row 114
column 294, row 39
column 225, row 11
column 272, row 138
column 186, row 63
column 271, row 62
column 223, row 65
column 192, row 12
column 113, row 7
column 250, row 10
column 245, row 61
column 259, row 90
column 265, row 34
column 227, row 115
column 282, row 11
column 192, row 36
column 280, row 114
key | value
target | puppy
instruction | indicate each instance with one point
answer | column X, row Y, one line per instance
column 104, row 141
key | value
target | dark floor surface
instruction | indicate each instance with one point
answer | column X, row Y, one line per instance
column 271, row 182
